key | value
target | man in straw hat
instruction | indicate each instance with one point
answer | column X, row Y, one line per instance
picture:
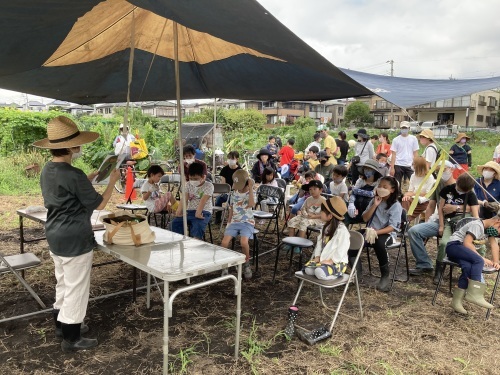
column 487, row 189
column 70, row 200
column 426, row 138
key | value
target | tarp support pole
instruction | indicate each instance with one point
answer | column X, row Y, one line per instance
column 213, row 139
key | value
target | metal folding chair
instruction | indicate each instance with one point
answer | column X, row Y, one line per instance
column 264, row 192
column 20, row 262
column 220, row 189
column 356, row 243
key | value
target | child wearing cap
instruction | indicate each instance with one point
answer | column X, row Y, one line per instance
column 330, row 256
column 241, row 220
column 310, row 213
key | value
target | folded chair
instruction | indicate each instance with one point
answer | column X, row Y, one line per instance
column 20, row 262
column 356, row 243
column 264, row 192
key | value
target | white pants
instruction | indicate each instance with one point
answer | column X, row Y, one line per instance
column 72, row 288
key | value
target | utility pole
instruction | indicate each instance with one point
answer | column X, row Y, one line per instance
column 392, row 75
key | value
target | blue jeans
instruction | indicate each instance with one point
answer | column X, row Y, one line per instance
column 196, row 226
column 297, row 206
column 470, row 262
column 417, row 234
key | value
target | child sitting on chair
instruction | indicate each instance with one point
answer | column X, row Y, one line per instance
column 310, row 213
column 199, row 203
column 338, row 186
column 241, row 221
column 461, row 248
column 330, row 254
column 152, row 196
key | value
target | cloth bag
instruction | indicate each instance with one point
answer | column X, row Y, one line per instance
column 123, row 228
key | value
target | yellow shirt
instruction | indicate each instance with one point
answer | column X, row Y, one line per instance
column 331, row 145
column 313, row 163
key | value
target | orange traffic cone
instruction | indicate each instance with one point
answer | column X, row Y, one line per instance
column 130, row 194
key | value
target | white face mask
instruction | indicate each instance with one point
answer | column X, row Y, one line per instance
column 231, row 162
column 189, row 161
column 446, row 175
column 382, row 192
column 488, row 175
column 76, row 155
column 194, row 183
column 404, row 131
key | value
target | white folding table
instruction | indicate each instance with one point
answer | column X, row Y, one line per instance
column 173, row 257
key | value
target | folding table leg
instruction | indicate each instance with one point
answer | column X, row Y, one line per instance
column 166, row 314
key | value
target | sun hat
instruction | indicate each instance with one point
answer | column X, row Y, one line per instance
column 336, row 206
column 240, row 178
column 426, row 133
column 372, row 164
column 490, row 164
column 404, row 124
column 460, row 136
column 361, row 133
column 62, row 132
column 263, row 151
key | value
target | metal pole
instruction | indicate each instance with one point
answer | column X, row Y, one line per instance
column 179, row 125
column 213, row 139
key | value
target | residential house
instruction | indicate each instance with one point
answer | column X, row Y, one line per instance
column 161, row 109
column 78, row 109
column 59, row 104
column 35, row 106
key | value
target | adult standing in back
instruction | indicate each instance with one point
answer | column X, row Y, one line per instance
column 343, row 146
column 363, row 150
column 404, row 148
column 329, row 145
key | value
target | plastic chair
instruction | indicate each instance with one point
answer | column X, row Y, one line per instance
column 20, row 262
column 292, row 242
column 356, row 243
column 399, row 245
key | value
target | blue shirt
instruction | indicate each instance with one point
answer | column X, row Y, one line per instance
column 384, row 217
column 493, row 188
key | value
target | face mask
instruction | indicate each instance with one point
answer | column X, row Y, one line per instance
column 323, row 162
column 360, row 139
column 463, row 141
column 488, row 175
column 382, row 165
column 404, row 131
column 459, row 191
column 189, row 161
column 194, row 183
column 338, row 180
column 231, row 162
column 76, row 155
column 446, row 175
column 382, row 193
column 381, row 139
column 369, row 173
column 492, row 232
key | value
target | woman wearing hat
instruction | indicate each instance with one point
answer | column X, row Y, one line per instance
column 363, row 151
column 426, row 138
column 264, row 160
column 70, row 200
column 460, row 154
column 363, row 190
column 487, row 189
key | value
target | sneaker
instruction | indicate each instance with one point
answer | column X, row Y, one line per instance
column 247, row 271
column 224, row 272
column 420, row 271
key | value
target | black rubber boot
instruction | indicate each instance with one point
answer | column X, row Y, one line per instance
column 438, row 272
column 384, row 283
column 359, row 268
column 58, row 331
column 293, row 312
column 72, row 340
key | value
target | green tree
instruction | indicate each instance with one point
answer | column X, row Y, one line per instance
column 304, row 122
column 358, row 113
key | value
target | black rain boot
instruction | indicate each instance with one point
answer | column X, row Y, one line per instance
column 384, row 283
column 438, row 272
column 58, row 331
column 359, row 268
column 293, row 312
column 72, row 340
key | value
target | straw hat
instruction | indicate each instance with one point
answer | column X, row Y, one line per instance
column 336, row 206
column 490, row 164
column 460, row 136
column 426, row 133
column 240, row 178
column 63, row 133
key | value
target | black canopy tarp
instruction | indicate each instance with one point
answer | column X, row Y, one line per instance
column 79, row 51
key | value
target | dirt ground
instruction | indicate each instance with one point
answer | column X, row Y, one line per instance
column 402, row 333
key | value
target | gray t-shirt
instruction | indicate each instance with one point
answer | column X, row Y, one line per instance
column 474, row 228
column 70, row 200
column 385, row 217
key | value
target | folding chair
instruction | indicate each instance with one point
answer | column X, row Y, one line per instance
column 21, row 262
column 220, row 189
column 399, row 245
column 264, row 192
column 356, row 243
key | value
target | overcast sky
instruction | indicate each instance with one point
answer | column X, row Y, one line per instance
column 435, row 39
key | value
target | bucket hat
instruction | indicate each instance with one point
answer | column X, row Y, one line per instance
column 263, row 151
column 426, row 133
column 62, row 132
column 460, row 136
column 490, row 164
column 361, row 133
column 336, row 206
